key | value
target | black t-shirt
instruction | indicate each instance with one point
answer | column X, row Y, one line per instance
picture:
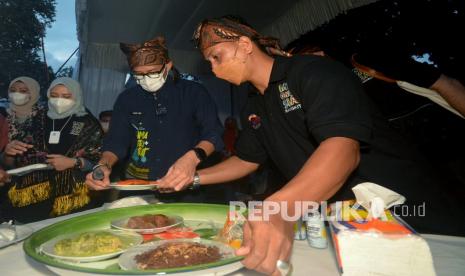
column 310, row 99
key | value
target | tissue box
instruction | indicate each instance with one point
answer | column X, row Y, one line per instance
column 375, row 247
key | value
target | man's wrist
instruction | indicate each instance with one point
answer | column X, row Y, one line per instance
column 200, row 154
column 196, row 182
column 192, row 156
column 281, row 198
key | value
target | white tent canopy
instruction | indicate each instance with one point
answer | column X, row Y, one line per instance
column 102, row 24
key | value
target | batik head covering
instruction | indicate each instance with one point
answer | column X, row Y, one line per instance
column 152, row 52
column 74, row 88
column 25, row 110
column 226, row 29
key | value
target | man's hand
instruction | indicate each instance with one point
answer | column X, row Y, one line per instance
column 266, row 242
column 16, row 147
column 95, row 184
column 181, row 174
column 60, row 162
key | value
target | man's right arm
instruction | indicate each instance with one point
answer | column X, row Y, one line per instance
column 231, row 169
column 108, row 159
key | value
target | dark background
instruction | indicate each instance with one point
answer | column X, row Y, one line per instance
column 393, row 30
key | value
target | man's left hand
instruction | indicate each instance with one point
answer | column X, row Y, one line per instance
column 266, row 242
column 180, row 175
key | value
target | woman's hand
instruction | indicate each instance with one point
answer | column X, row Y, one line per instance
column 4, row 177
column 60, row 162
column 16, row 147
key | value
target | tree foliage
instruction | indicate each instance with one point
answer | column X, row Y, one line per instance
column 65, row 72
column 22, row 25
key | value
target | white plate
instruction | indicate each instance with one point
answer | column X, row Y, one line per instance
column 127, row 262
column 131, row 239
column 22, row 232
column 133, row 187
column 122, row 225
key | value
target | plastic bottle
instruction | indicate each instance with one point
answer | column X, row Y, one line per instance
column 316, row 231
column 300, row 230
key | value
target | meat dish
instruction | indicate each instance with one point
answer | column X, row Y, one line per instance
column 149, row 221
column 178, row 254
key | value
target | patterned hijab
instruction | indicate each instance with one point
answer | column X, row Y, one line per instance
column 152, row 52
column 226, row 29
column 24, row 111
column 75, row 89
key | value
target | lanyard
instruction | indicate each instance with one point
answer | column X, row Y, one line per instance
column 54, row 137
column 53, row 124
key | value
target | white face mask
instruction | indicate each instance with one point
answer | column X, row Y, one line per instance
column 105, row 126
column 61, row 105
column 18, row 98
column 152, row 84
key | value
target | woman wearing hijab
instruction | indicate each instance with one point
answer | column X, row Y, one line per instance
column 24, row 111
column 69, row 141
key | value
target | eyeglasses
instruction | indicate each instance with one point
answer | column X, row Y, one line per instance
column 152, row 75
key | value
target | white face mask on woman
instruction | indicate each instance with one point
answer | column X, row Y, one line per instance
column 152, row 82
column 18, row 98
column 61, row 105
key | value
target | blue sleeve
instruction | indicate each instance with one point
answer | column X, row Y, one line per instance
column 118, row 138
column 206, row 117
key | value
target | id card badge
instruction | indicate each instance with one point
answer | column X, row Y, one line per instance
column 54, row 137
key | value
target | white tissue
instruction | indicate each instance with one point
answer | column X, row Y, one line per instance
column 7, row 232
column 375, row 198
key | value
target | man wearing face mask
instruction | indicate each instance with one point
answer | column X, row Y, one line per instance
column 165, row 125
column 105, row 117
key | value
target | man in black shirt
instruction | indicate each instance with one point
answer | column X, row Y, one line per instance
column 311, row 118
